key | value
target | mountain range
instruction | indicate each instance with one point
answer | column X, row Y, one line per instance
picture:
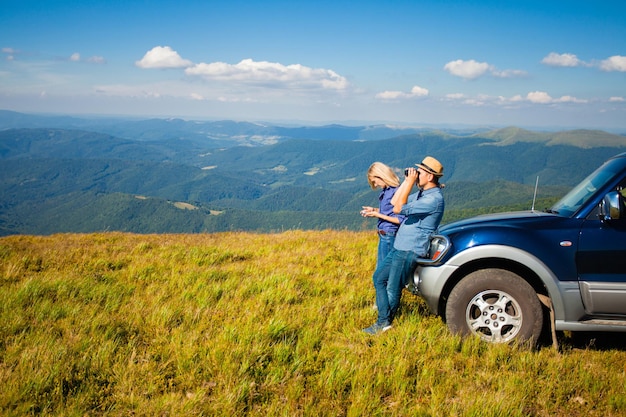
column 69, row 174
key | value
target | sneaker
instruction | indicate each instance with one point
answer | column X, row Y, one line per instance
column 377, row 328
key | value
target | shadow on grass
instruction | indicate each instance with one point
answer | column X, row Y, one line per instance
column 594, row 340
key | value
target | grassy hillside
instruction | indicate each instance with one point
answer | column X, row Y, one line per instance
column 257, row 324
column 85, row 212
column 582, row 138
column 55, row 180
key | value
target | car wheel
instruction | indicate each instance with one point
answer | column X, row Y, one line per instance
column 497, row 305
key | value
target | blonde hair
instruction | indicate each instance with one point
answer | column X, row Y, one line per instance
column 382, row 171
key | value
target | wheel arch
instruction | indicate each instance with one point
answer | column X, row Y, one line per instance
column 540, row 277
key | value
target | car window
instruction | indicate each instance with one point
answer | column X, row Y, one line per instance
column 574, row 200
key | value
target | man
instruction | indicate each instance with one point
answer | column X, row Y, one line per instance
column 423, row 211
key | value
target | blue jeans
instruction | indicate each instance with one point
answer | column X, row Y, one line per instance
column 390, row 278
column 385, row 244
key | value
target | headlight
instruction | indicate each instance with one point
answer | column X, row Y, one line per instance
column 439, row 246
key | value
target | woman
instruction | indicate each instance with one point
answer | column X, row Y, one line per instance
column 381, row 176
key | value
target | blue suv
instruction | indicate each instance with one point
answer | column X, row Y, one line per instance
column 505, row 277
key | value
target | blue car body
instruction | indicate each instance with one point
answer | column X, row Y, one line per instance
column 572, row 255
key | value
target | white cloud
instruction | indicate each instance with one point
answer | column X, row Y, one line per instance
column 617, row 99
column 541, row 97
column 472, row 69
column 10, row 53
column 415, row 92
column 225, row 99
column 570, row 99
column 475, row 102
column 135, row 91
column 509, row 73
column 96, row 60
column 614, row 63
column 455, row 96
column 467, row 69
column 534, row 97
column 162, row 57
column 76, row 57
column 561, row 60
column 418, row 91
column 270, row 74
column 390, row 95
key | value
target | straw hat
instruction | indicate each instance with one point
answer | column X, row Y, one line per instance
column 431, row 165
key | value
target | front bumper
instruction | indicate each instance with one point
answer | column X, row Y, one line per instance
column 429, row 282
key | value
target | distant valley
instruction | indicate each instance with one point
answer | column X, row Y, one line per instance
column 64, row 174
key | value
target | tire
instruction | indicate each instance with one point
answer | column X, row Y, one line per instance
column 496, row 305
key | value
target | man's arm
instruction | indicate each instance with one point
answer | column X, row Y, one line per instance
column 404, row 190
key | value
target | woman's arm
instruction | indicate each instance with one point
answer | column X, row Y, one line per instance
column 390, row 219
column 374, row 212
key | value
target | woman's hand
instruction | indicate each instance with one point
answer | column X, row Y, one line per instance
column 367, row 211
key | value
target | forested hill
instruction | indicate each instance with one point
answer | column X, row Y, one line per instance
column 56, row 179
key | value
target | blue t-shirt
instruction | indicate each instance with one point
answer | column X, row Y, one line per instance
column 423, row 211
column 385, row 207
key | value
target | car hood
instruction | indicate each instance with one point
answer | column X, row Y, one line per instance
column 508, row 219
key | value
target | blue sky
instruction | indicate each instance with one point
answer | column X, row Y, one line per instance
column 499, row 63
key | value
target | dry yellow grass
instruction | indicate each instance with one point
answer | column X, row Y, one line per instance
column 255, row 324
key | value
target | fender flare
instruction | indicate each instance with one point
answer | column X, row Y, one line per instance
column 554, row 287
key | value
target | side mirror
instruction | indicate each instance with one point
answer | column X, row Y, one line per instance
column 612, row 207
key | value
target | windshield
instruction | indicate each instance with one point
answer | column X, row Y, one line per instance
column 573, row 200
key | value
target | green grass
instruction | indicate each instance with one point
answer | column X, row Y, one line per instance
column 256, row 324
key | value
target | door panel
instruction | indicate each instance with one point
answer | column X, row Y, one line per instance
column 601, row 263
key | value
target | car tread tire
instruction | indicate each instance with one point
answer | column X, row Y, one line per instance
column 497, row 305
